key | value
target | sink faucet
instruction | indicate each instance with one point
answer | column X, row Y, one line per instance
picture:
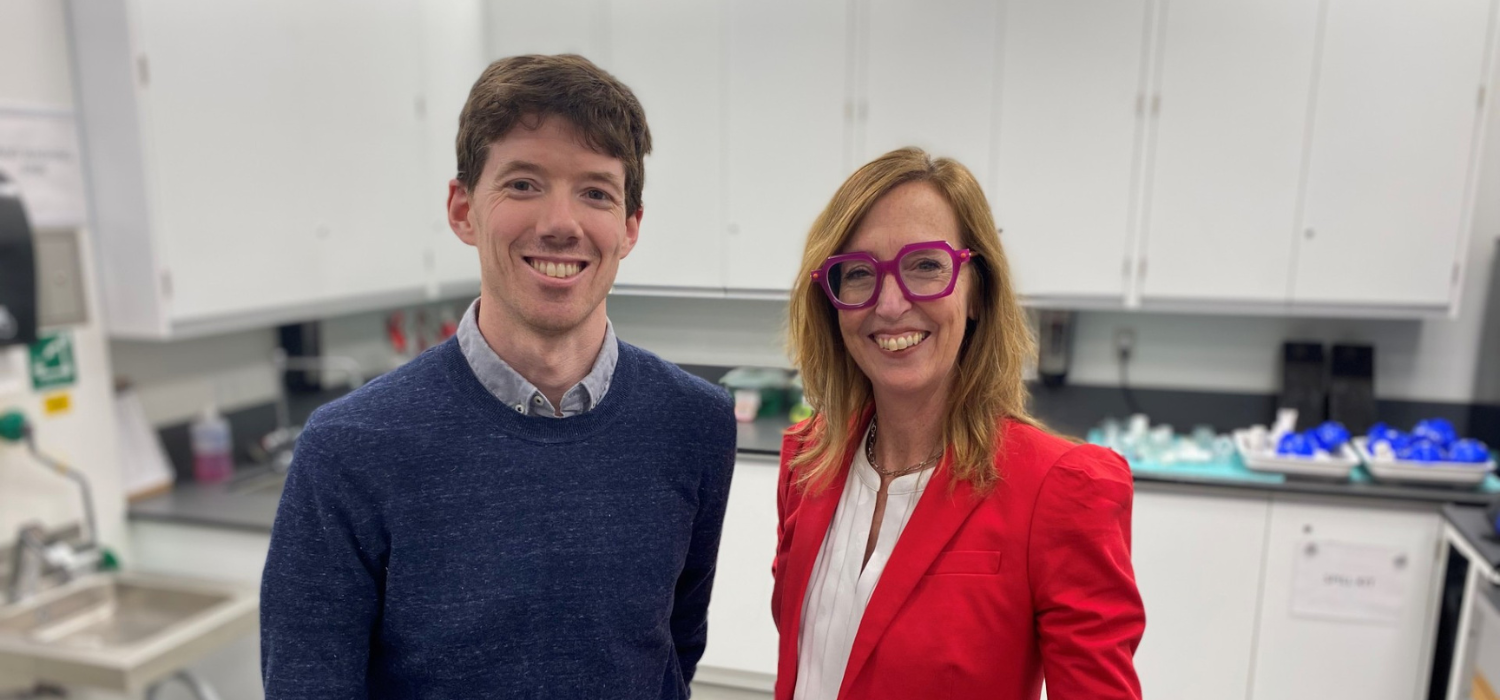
column 27, row 562
column 32, row 556
column 276, row 446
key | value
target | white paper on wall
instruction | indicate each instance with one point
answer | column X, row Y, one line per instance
column 39, row 152
column 1353, row 582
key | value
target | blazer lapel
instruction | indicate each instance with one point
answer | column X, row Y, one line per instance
column 936, row 519
column 815, row 512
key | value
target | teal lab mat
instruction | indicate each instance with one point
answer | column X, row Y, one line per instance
column 1232, row 469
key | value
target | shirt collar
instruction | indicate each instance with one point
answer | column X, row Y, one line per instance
column 507, row 385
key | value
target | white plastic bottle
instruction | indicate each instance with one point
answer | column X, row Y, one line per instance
column 213, row 447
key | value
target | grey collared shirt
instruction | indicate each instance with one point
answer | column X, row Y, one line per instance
column 506, row 384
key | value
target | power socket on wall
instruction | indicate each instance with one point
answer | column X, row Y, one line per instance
column 1124, row 342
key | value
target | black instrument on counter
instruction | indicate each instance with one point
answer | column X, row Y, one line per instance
column 1304, row 387
column 18, row 307
column 1351, row 387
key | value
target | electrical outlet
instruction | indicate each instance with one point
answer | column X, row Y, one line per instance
column 1124, row 341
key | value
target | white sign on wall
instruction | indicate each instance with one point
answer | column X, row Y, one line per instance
column 1354, row 582
column 39, row 152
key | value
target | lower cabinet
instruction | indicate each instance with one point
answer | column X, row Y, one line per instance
column 741, row 637
column 1349, row 604
column 1198, row 566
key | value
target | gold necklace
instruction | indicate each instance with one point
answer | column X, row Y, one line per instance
column 870, row 456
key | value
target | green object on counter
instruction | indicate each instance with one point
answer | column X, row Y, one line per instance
column 108, row 561
column 769, row 382
column 12, row 426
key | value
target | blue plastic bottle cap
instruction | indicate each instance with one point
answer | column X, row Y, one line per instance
column 1438, row 430
column 1331, row 435
column 1420, row 450
column 1469, row 451
column 1380, row 429
column 1295, row 445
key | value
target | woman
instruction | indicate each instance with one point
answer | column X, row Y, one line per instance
column 935, row 540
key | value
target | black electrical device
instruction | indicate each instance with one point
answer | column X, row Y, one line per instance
column 1304, row 372
column 1351, row 386
column 301, row 340
column 18, row 306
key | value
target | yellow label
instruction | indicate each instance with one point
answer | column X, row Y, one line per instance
column 57, row 404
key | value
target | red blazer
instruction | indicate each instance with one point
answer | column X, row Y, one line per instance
column 982, row 597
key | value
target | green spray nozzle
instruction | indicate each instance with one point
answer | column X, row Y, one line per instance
column 12, row 426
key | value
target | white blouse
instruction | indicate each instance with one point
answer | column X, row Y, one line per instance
column 838, row 591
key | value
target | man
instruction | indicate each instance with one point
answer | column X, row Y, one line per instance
column 533, row 508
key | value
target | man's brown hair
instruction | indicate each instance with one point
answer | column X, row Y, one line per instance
column 524, row 90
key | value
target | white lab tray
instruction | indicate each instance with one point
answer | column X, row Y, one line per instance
column 1455, row 473
column 1336, row 467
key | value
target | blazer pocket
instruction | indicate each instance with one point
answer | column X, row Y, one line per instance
column 965, row 563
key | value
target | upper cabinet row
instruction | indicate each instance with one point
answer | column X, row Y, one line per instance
column 1235, row 155
column 257, row 162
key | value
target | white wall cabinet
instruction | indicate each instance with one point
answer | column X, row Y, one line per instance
column 1229, row 118
column 514, row 27
column 1069, row 131
column 1390, row 174
column 247, row 169
column 1198, row 563
column 936, row 93
column 671, row 54
column 789, row 118
column 1304, row 652
column 453, row 56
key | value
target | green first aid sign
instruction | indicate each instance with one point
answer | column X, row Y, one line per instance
column 52, row 364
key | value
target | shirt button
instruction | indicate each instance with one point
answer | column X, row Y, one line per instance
column 520, row 408
column 537, row 400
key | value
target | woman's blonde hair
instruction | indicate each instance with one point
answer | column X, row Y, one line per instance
column 987, row 381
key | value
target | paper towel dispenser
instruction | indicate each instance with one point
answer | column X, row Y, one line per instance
column 18, row 307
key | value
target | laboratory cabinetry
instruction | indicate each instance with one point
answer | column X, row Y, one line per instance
column 251, row 162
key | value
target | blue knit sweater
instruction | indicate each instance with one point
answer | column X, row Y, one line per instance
column 434, row 543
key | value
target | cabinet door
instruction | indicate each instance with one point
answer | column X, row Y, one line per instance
column 286, row 152
column 741, row 636
column 1197, row 562
column 223, row 141
column 361, row 104
column 514, row 27
column 1307, row 646
column 1392, row 144
column 671, row 54
column 1235, row 80
column 929, row 80
column 453, row 57
column 787, row 104
column 1070, row 79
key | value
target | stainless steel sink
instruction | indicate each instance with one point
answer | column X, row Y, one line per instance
column 121, row 631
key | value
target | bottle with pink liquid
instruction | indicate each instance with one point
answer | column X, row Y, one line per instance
column 213, row 447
